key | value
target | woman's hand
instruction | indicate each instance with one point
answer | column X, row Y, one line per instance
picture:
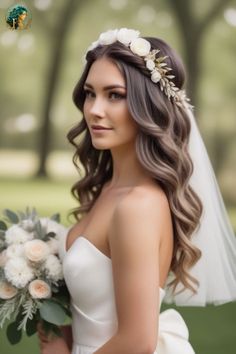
column 50, row 344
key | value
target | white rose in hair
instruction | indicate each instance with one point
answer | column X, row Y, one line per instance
column 140, row 46
column 17, row 272
column 53, row 268
column 156, row 76
column 7, row 291
column 108, row 37
column 125, row 35
column 15, row 250
column 36, row 250
column 39, row 289
column 93, row 45
column 150, row 64
column 3, row 258
column 15, row 234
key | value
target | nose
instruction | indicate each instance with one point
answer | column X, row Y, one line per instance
column 97, row 107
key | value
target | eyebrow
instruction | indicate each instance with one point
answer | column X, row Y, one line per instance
column 106, row 88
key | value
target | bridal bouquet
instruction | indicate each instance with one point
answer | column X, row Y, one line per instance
column 32, row 287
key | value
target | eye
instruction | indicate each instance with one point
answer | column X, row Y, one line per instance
column 89, row 93
column 116, row 96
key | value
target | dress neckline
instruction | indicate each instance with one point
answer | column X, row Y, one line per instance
column 98, row 251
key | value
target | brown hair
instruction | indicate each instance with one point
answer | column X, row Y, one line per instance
column 161, row 147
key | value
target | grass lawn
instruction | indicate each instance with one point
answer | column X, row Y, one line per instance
column 212, row 329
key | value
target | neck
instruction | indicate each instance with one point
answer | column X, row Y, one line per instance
column 127, row 170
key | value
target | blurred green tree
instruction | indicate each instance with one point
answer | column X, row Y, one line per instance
column 193, row 30
column 59, row 38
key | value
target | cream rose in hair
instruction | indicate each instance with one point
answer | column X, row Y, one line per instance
column 140, row 46
column 7, row 291
column 36, row 250
column 108, row 37
column 125, row 35
column 39, row 289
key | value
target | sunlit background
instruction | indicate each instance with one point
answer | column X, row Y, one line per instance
column 39, row 68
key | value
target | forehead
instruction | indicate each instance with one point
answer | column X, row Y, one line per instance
column 105, row 72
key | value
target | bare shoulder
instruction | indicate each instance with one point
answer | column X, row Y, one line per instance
column 144, row 208
column 145, row 204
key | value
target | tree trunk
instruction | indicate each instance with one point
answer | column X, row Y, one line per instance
column 52, row 79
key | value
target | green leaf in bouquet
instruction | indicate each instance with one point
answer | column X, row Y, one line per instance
column 49, row 235
column 3, row 225
column 14, row 335
column 12, row 217
column 56, row 217
column 2, row 235
column 39, row 230
column 52, row 312
column 31, row 326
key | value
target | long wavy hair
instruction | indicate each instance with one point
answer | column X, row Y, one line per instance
column 161, row 147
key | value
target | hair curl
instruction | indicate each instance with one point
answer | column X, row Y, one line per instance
column 161, row 147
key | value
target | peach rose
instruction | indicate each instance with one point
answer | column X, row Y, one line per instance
column 36, row 250
column 39, row 289
column 7, row 291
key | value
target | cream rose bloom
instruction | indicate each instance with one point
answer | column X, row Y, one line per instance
column 156, row 76
column 36, row 250
column 39, row 289
column 15, row 234
column 140, row 46
column 7, row 291
column 108, row 37
column 125, row 35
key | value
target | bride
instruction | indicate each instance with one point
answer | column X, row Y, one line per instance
column 151, row 222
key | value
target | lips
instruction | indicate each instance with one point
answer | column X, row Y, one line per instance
column 100, row 127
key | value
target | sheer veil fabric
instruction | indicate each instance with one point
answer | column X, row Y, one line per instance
column 216, row 269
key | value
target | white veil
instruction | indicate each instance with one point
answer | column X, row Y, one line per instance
column 216, row 269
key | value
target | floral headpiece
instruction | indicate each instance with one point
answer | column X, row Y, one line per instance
column 159, row 70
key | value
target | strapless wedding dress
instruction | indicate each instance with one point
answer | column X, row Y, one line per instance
column 88, row 275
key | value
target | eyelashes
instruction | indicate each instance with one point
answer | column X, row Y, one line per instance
column 112, row 95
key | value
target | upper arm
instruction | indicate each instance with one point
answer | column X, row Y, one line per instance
column 134, row 238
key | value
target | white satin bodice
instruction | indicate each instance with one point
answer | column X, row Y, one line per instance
column 88, row 275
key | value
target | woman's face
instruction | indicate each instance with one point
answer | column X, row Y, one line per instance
column 106, row 105
column 22, row 16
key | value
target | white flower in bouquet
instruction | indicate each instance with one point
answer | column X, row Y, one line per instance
column 3, row 258
column 50, row 225
column 53, row 245
column 7, row 291
column 27, row 225
column 15, row 234
column 39, row 289
column 17, row 272
column 53, row 268
column 36, row 250
column 14, row 250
